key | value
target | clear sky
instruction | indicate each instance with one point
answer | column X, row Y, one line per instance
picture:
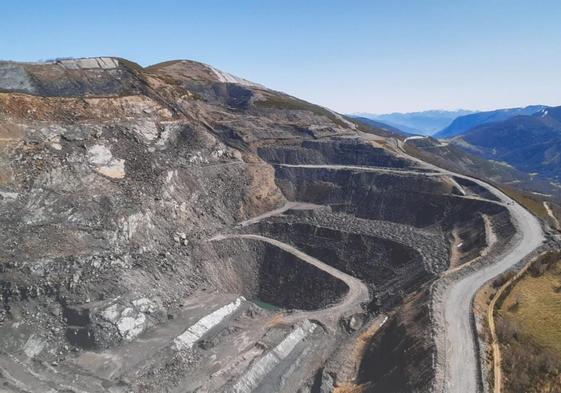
column 352, row 56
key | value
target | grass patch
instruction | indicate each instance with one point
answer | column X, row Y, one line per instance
column 291, row 103
column 528, row 323
column 131, row 65
column 163, row 64
column 454, row 159
column 535, row 304
column 530, row 202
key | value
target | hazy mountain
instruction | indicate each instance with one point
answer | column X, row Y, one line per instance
column 529, row 143
column 423, row 123
column 379, row 124
column 467, row 122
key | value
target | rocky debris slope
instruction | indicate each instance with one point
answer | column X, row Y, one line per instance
column 364, row 249
column 113, row 180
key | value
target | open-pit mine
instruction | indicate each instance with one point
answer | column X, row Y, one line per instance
column 177, row 229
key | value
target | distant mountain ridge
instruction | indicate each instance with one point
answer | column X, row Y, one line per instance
column 530, row 143
column 422, row 123
column 463, row 124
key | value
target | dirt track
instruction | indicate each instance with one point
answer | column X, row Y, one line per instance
column 461, row 373
column 457, row 344
column 357, row 294
column 462, row 361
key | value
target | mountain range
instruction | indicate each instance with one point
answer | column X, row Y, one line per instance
column 464, row 123
column 380, row 125
column 530, row 143
column 526, row 138
column 421, row 123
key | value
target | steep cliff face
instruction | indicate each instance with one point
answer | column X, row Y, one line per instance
column 114, row 182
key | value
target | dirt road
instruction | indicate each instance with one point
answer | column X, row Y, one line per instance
column 287, row 206
column 351, row 303
column 461, row 373
column 462, row 362
column 458, row 343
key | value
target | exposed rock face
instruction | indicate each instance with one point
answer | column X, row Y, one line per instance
column 114, row 180
column 261, row 271
column 336, row 152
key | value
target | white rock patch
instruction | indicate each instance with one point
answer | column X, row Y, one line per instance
column 147, row 130
column 145, row 305
column 229, row 78
column 33, row 346
column 201, row 158
column 115, row 170
column 197, row 158
column 130, row 321
column 105, row 63
column 259, row 370
column 8, row 195
column 100, row 156
column 111, row 313
column 203, row 325
column 131, row 324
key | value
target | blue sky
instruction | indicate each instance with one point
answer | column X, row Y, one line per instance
column 352, row 56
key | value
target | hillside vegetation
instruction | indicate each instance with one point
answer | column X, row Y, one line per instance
column 529, row 329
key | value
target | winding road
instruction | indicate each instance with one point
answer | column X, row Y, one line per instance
column 434, row 172
column 357, row 294
column 287, row 206
column 458, row 343
column 394, row 171
column 462, row 361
